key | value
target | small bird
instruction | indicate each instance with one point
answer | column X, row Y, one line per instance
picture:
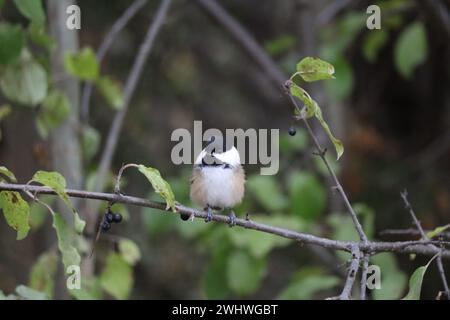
column 218, row 179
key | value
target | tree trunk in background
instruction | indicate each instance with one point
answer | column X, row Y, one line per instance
column 65, row 144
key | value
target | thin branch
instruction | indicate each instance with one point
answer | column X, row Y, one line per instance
column 365, row 266
column 116, row 28
column 245, row 39
column 409, row 232
column 372, row 247
column 354, row 266
column 330, row 11
column 130, row 86
column 439, row 262
column 321, row 153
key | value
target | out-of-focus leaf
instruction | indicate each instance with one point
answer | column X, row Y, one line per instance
column 66, row 240
column 24, row 82
column 43, row 272
column 91, row 142
column 393, row 280
column 259, row 244
column 307, row 282
column 57, row 183
column 12, row 40
column 368, row 218
column 7, row 173
column 340, row 89
column 32, row 9
column 411, row 49
column 54, row 110
column 160, row 185
column 129, row 251
column 437, row 231
column 16, row 211
column 214, row 280
column 307, row 195
column 373, row 42
column 111, row 91
column 83, row 64
column 27, row 293
column 38, row 34
column 280, row 44
column 314, row 69
column 244, row 272
column 415, row 282
column 267, row 192
column 117, row 277
column 290, row 144
column 90, row 290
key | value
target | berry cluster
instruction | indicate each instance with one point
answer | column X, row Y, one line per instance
column 110, row 217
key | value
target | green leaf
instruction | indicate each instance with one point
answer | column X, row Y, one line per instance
column 38, row 212
column 341, row 89
column 5, row 171
column 111, row 91
column 27, row 293
column 214, row 280
column 16, row 211
column 244, row 272
column 267, row 192
column 32, row 9
column 160, row 185
column 373, row 42
column 415, row 282
column 43, row 272
column 117, row 278
column 393, row 279
column 129, row 251
column 57, row 183
column 310, row 105
column 437, row 231
column 411, row 49
column 38, row 34
column 336, row 142
column 66, row 240
column 90, row 290
column 24, row 82
column 280, row 44
column 307, row 195
column 313, row 69
column 91, row 142
column 54, row 110
column 83, row 65
column 12, row 40
column 307, row 282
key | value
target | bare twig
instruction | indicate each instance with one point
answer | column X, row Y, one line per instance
column 116, row 28
column 365, row 266
column 372, row 247
column 330, row 11
column 130, row 86
column 439, row 262
column 409, row 233
column 245, row 39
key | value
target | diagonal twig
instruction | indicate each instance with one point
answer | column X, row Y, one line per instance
column 116, row 28
column 440, row 264
column 130, row 86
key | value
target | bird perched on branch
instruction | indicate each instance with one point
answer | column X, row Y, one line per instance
column 218, row 179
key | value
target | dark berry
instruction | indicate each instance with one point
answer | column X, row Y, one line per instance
column 106, row 225
column 109, row 217
column 117, row 217
column 292, row 131
column 184, row 217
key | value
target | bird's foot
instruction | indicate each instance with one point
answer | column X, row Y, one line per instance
column 209, row 214
column 232, row 219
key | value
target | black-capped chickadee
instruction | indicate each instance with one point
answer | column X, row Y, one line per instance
column 218, row 179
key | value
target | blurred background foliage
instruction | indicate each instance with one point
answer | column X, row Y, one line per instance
column 389, row 104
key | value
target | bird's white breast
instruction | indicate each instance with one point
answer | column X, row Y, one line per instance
column 219, row 184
